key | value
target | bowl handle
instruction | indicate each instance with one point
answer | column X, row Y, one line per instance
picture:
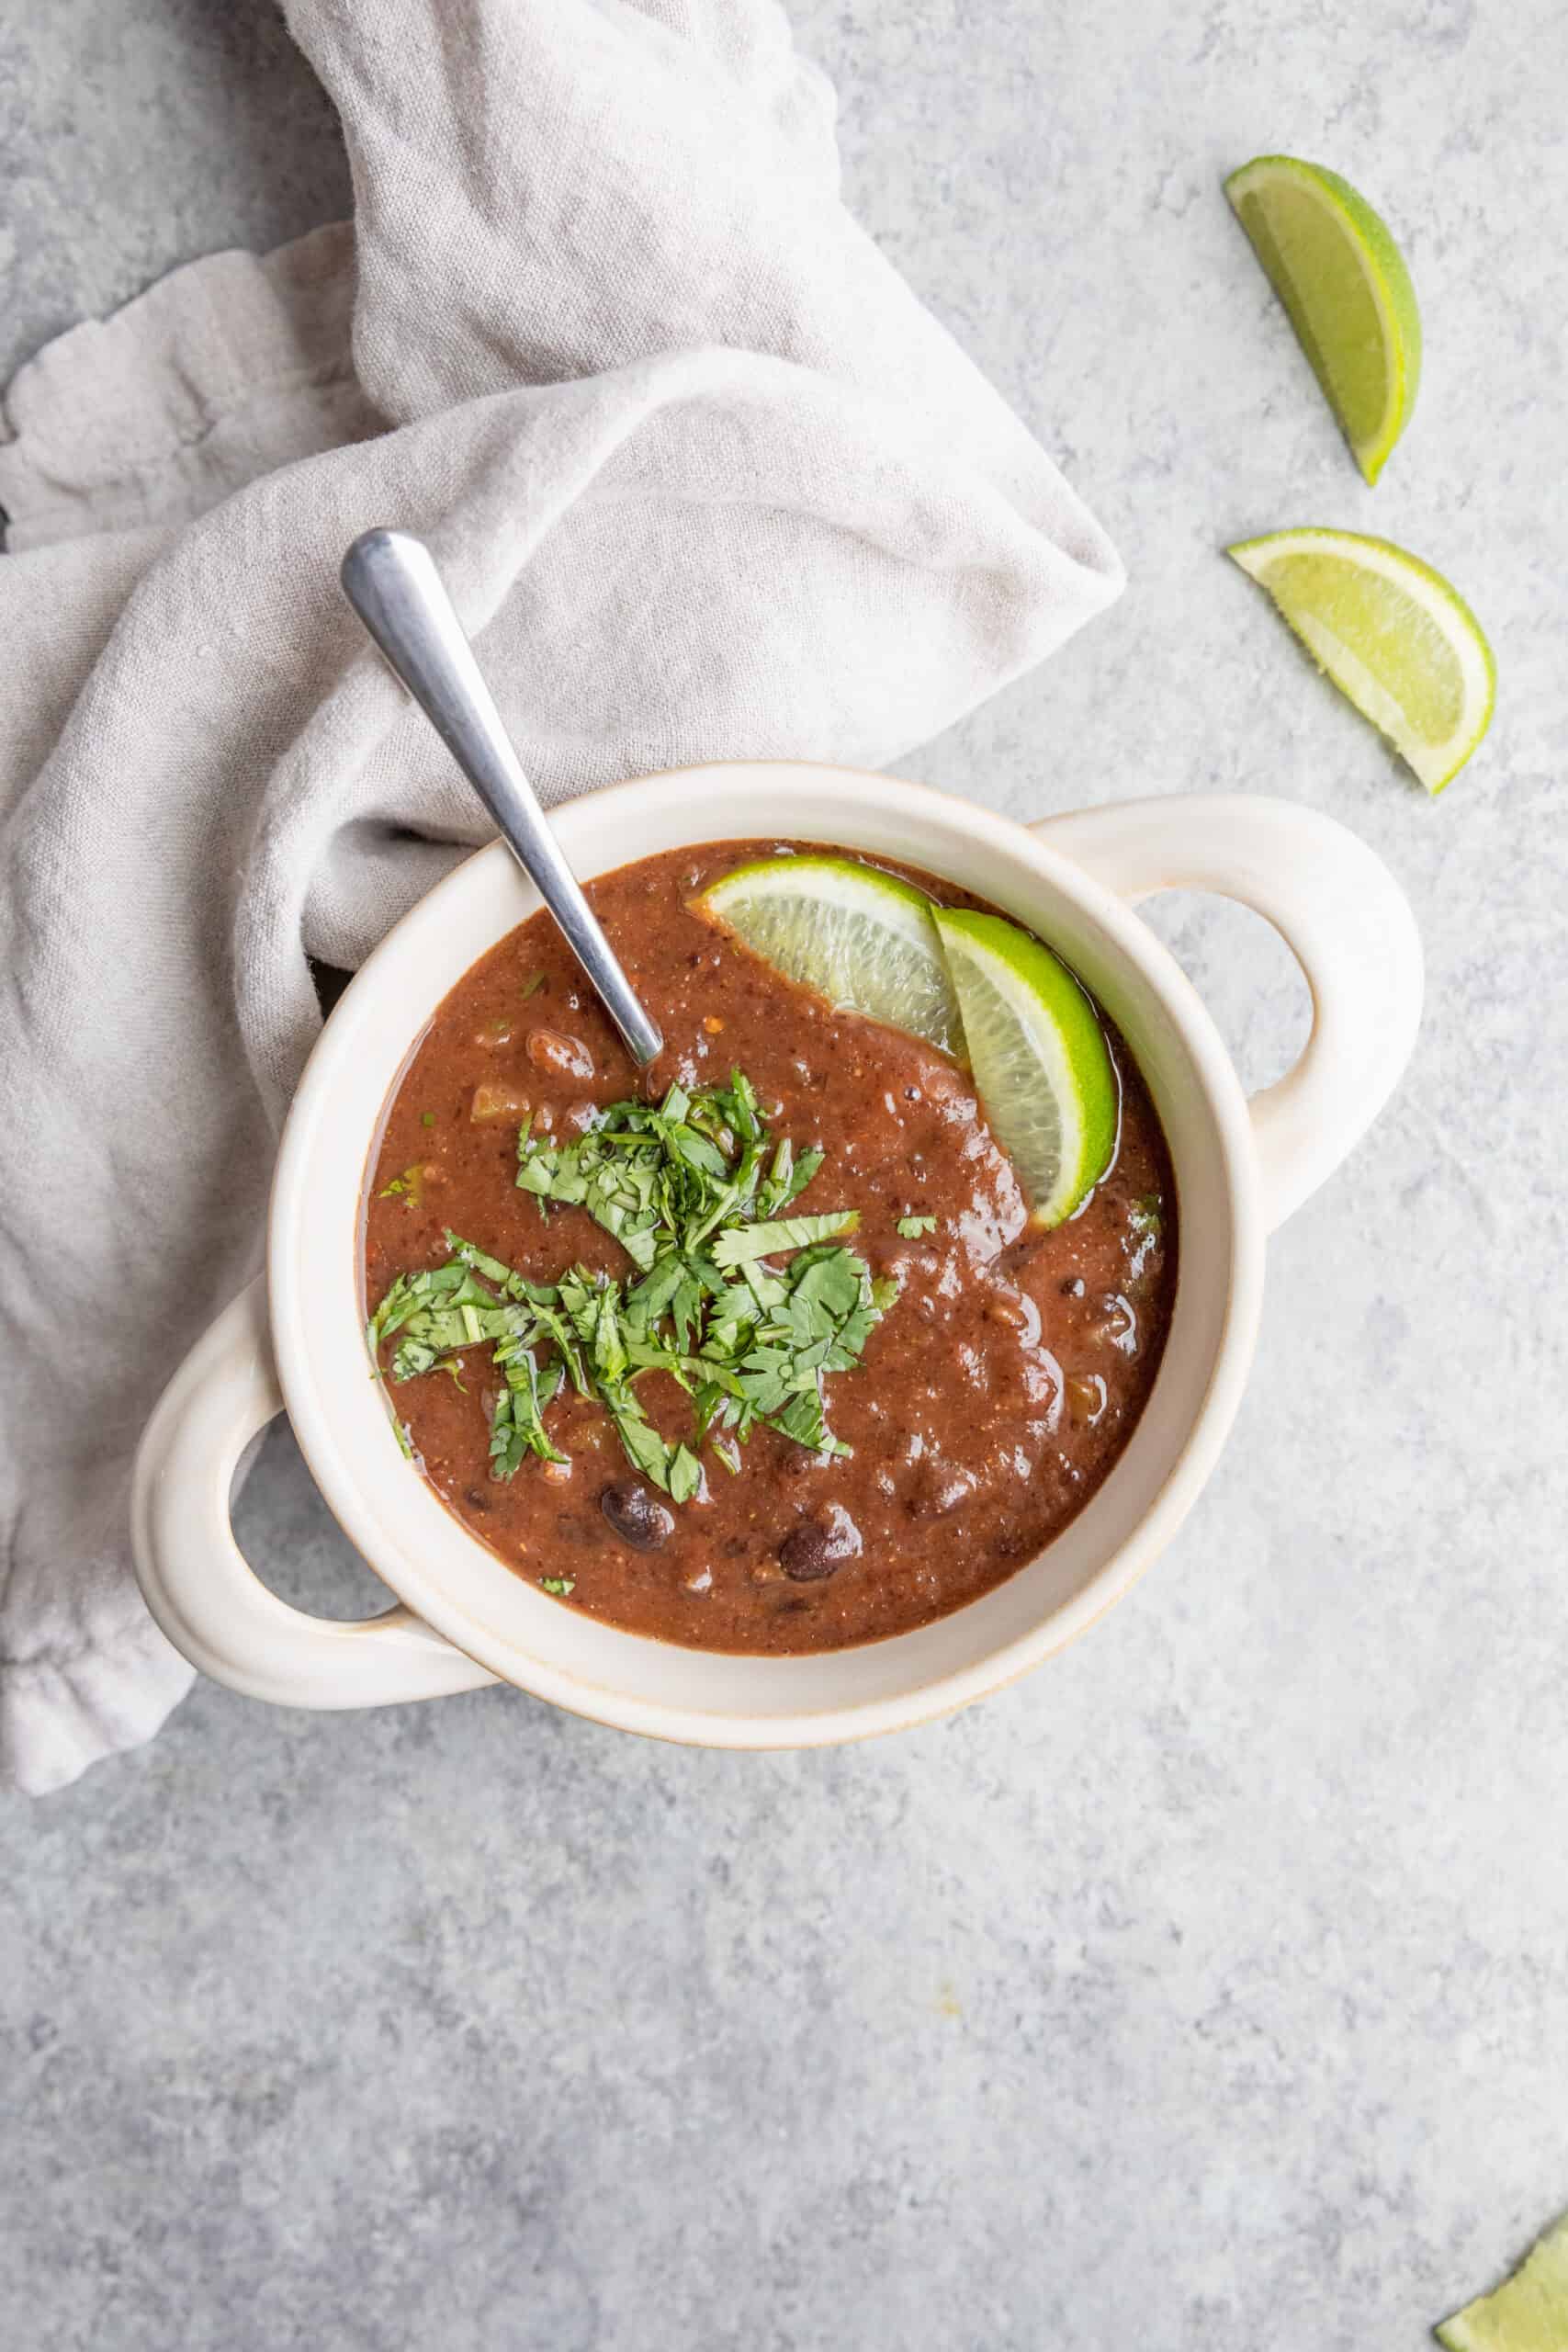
column 1338, row 910
column 196, row 1580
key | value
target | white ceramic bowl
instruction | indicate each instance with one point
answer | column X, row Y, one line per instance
column 296, row 1343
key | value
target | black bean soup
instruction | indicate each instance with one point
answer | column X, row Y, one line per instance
column 990, row 1373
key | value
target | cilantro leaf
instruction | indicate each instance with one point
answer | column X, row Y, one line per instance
column 685, row 1475
column 744, row 1243
column 693, row 1188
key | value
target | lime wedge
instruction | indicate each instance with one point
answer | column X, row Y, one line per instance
column 1041, row 1066
column 1391, row 633
column 1527, row 2313
column 855, row 935
column 1343, row 281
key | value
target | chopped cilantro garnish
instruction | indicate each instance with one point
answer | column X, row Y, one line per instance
column 427, row 1118
column 532, row 988
column 561, row 1586
column 911, row 1228
column 693, row 1189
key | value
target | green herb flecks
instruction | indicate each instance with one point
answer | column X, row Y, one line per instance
column 532, row 988
column 559, row 1586
column 693, row 1190
column 409, row 1187
column 912, row 1227
column 1147, row 1215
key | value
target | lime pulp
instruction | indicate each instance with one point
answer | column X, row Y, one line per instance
column 1041, row 1066
column 1345, row 286
column 858, row 937
column 1390, row 632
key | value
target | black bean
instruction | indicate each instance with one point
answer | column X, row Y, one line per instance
column 818, row 1546
column 635, row 1516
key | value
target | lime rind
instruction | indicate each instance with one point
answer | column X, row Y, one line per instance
column 1427, row 623
column 858, row 937
column 1529, row 2313
column 1328, row 329
column 1041, row 1066
column 976, row 986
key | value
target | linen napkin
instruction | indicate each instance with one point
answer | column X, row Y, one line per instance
column 707, row 481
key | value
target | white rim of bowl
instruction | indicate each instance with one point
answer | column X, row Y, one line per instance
column 698, row 790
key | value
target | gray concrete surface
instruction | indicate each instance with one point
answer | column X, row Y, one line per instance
column 1210, row 1990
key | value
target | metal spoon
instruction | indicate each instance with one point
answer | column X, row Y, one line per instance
column 390, row 579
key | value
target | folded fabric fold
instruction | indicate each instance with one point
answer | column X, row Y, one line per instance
column 707, row 482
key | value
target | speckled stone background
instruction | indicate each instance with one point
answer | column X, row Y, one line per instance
column 1210, row 1990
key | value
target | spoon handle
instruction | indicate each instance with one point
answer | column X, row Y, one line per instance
column 390, row 579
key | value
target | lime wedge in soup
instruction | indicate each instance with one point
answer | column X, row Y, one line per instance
column 1346, row 288
column 1391, row 634
column 858, row 937
column 1041, row 1066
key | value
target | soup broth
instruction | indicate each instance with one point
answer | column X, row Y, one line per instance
column 1001, row 1372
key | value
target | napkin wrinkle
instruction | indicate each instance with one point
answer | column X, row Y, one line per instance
column 221, row 370
column 706, row 482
